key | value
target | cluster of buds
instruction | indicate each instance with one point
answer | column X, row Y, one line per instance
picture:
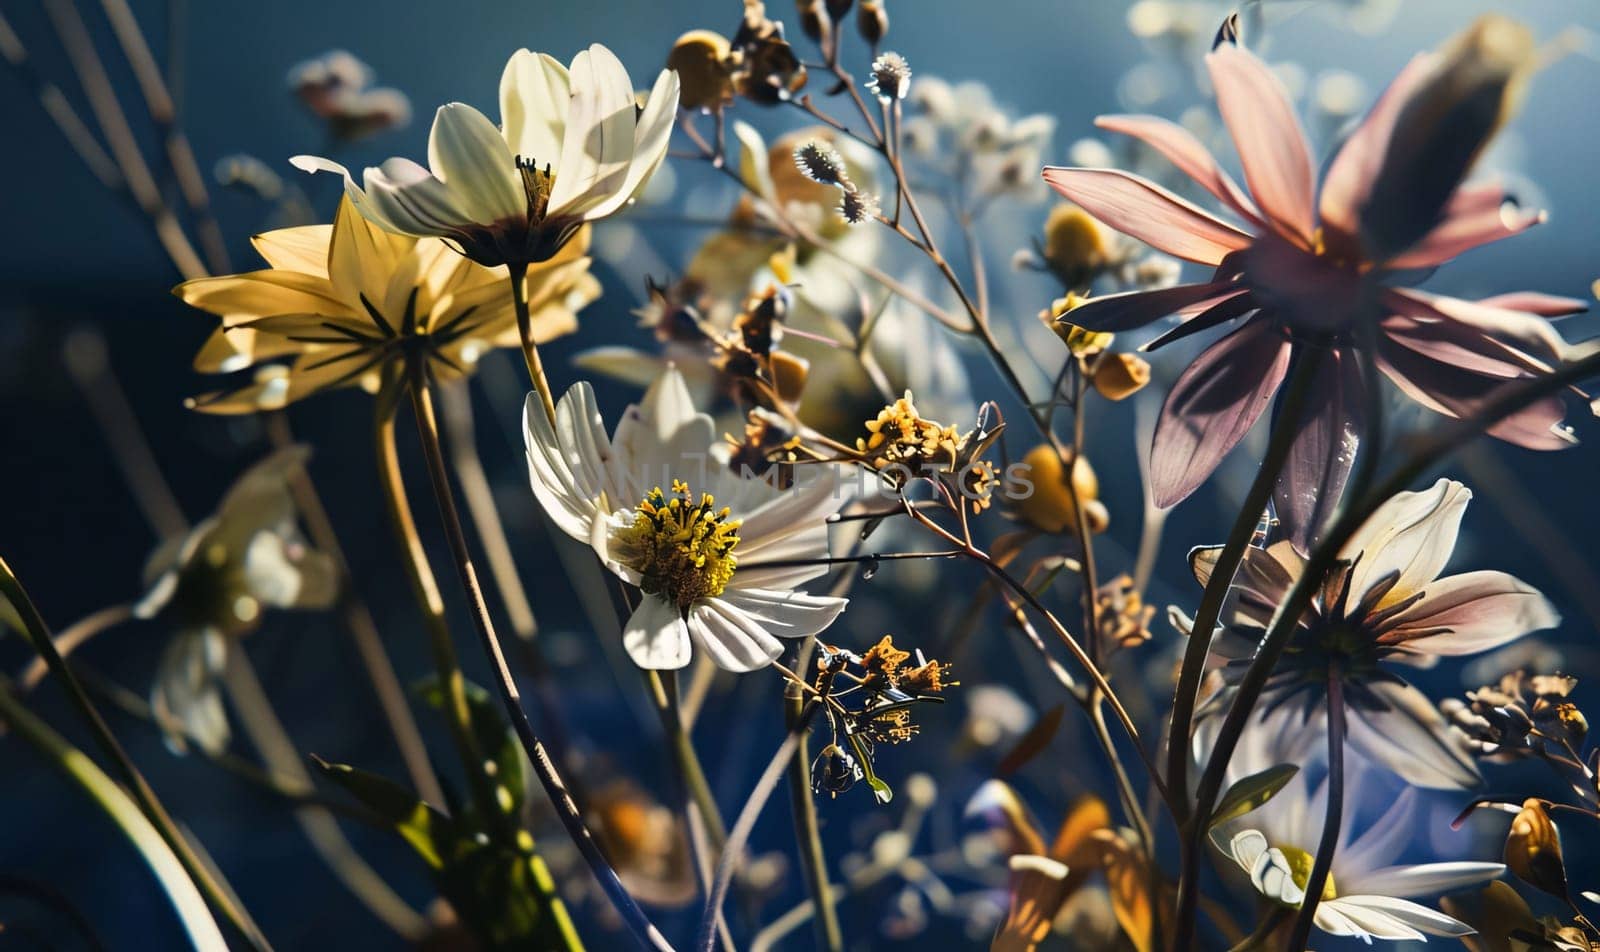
column 336, row 88
column 1079, row 251
column 874, row 709
column 820, row 19
column 1520, row 716
column 903, row 445
column 758, row 64
column 820, row 162
column 1115, row 375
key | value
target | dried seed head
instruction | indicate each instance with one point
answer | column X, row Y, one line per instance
column 821, row 163
column 891, row 77
column 858, row 207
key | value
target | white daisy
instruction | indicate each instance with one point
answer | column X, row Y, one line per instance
column 573, row 147
column 714, row 553
column 1366, row 895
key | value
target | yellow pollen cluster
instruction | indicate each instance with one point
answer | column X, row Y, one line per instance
column 682, row 549
column 901, row 435
column 1300, row 863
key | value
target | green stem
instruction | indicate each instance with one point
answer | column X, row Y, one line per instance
column 808, row 837
column 38, row 634
column 172, row 872
column 530, row 348
column 664, row 691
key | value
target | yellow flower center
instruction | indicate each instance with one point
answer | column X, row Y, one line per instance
column 682, row 549
column 1300, row 863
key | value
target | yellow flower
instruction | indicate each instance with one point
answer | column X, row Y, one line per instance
column 350, row 299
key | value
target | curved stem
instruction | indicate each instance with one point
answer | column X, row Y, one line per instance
column 172, row 872
column 38, row 634
column 1320, row 868
column 745, row 824
column 510, row 697
column 70, row 638
column 1284, row 430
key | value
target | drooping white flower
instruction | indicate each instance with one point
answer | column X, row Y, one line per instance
column 1366, row 896
column 689, row 533
column 573, row 147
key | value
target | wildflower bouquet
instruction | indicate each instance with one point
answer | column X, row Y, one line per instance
column 826, row 516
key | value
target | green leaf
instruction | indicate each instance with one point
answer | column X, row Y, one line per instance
column 1251, row 792
column 880, row 790
column 428, row 831
column 503, row 753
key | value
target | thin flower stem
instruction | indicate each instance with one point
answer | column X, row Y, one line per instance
column 1329, row 844
column 72, row 637
column 803, row 808
column 664, row 694
column 38, row 635
column 85, row 355
column 174, row 874
column 1284, row 431
column 510, row 697
column 1510, row 399
column 113, row 123
column 282, row 758
column 425, row 587
column 530, row 348
column 68, row 121
column 358, row 622
column 746, row 823
column 164, row 114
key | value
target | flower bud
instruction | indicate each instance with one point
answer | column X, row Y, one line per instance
column 872, row 22
column 1533, row 850
column 1075, row 245
column 838, row 8
column 1050, row 506
column 815, row 21
column 700, row 58
column 1118, row 376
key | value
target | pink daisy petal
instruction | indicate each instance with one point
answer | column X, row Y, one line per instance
column 1186, row 152
column 1265, row 130
column 1148, row 212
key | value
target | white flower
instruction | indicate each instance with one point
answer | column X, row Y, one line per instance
column 1385, row 602
column 212, row 585
column 666, row 517
column 1366, row 896
column 573, row 147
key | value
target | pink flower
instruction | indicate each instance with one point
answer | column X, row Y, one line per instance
column 1309, row 268
column 1384, row 603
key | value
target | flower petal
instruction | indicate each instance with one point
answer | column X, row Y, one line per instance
column 1411, row 738
column 1121, row 312
column 1373, row 922
column 1265, row 130
column 362, row 257
column 656, row 635
column 535, row 93
column 650, row 140
column 1399, row 918
column 1351, row 173
column 303, row 248
column 1212, row 406
column 1448, row 388
column 1412, row 534
column 239, row 297
column 734, row 640
column 1148, row 212
column 598, row 141
column 1324, row 448
column 1192, row 158
column 1472, row 612
column 1428, row 879
column 1216, row 313
column 785, row 614
column 468, row 154
column 567, row 462
column 1476, row 215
